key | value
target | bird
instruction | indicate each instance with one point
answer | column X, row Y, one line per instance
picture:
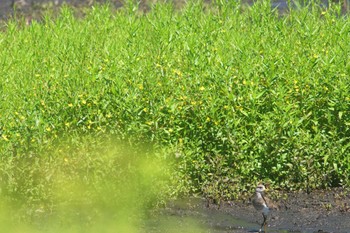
column 262, row 204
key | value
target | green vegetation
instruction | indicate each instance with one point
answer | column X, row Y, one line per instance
column 224, row 95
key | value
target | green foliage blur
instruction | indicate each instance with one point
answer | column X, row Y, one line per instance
column 82, row 189
column 225, row 95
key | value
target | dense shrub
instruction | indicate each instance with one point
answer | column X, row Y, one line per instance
column 237, row 94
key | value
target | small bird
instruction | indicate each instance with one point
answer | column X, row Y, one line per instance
column 262, row 204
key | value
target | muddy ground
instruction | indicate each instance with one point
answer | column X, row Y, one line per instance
column 319, row 211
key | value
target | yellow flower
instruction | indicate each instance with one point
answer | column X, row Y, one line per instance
column 177, row 72
column 202, row 88
column 4, row 137
column 240, row 108
column 70, row 105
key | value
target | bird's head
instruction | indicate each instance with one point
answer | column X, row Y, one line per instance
column 260, row 188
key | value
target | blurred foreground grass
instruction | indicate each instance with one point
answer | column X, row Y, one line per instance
column 104, row 188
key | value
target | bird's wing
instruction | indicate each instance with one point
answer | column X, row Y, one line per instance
column 269, row 203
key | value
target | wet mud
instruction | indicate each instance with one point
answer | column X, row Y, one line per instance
column 299, row 212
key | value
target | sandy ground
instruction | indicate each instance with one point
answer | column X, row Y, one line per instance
column 319, row 211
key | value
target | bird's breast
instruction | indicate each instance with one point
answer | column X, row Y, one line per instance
column 266, row 209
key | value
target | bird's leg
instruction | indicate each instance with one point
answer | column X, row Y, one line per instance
column 264, row 223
